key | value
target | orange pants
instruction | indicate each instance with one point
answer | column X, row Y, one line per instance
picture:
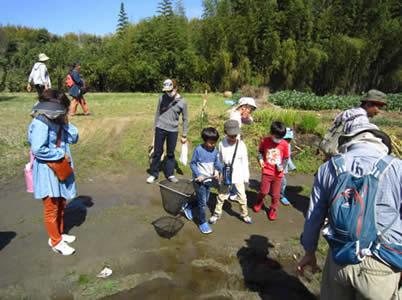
column 53, row 216
column 74, row 104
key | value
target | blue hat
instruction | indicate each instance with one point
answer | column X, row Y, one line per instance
column 289, row 133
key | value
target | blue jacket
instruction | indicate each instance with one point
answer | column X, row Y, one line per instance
column 75, row 89
column 43, row 138
column 204, row 162
column 359, row 160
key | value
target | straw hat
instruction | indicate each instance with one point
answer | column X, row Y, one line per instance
column 43, row 57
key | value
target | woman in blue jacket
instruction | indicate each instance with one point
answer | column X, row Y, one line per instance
column 77, row 91
column 49, row 135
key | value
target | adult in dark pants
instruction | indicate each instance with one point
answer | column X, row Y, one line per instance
column 77, row 89
column 170, row 106
column 39, row 76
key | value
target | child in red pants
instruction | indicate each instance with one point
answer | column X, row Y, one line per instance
column 272, row 158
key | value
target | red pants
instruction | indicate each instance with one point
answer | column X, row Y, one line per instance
column 53, row 216
column 74, row 104
column 270, row 185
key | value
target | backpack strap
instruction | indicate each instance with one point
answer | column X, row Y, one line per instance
column 338, row 162
column 44, row 119
column 382, row 165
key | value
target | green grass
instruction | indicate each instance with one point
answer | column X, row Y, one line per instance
column 83, row 279
column 116, row 137
column 383, row 121
column 307, row 161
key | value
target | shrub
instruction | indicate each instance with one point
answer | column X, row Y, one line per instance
column 310, row 101
column 304, row 121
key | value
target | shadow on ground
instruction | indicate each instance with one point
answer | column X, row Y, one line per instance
column 7, row 98
column 297, row 200
column 293, row 194
column 6, row 237
column 265, row 275
column 76, row 212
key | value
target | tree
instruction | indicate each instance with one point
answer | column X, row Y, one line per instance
column 122, row 22
column 165, row 8
column 179, row 9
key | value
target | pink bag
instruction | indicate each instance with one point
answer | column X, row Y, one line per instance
column 28, row 173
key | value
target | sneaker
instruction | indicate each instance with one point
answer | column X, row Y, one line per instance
column 65, row 238
column 63, row 248
column 247, row 220
column 232, row 197
column 285, row 201
column 151, row 179
column 214, row 219
column 173, row 179
column 272, row 215
column 188, row 213
column 257, row 207
column 68, row 238
column 204, row 228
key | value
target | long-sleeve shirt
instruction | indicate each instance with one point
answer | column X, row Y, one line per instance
column 236, row 115
column 43, row 139
column 204, row 162
column 39, row 75
column 168, row 112
column 240, row 168
column 75, row 89
column 359, row 160
column 290, row 165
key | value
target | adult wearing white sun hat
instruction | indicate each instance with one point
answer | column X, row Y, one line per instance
column 39, row 76
column 242, row 111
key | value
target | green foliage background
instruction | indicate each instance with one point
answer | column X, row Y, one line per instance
column 342, row 47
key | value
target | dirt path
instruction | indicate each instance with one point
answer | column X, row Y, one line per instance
column 112, row 221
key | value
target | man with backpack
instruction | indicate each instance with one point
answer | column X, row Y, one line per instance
column 352, row 120
column 358, row 195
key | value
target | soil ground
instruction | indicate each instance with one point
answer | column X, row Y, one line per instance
column 112, row 221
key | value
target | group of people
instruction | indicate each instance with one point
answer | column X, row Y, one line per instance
column 227, row 164
column 49, row 136
column 356, row 197
column 40, row 79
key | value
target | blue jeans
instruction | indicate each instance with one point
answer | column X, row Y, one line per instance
column 171, row 141
column 283, row 186
column 202, row 192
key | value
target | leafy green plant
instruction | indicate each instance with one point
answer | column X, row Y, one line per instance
column 310, row 101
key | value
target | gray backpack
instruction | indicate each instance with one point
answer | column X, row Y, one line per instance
column 329, row 144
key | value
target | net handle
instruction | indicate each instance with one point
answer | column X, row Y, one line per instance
column 180, row 193
column 172, row 190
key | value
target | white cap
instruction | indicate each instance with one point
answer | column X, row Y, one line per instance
column 246, row 101
column 43, row 57
column 167, row 85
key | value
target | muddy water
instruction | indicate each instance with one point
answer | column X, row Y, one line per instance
column 217, row 268
column 231, row 263
column 199, row 270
